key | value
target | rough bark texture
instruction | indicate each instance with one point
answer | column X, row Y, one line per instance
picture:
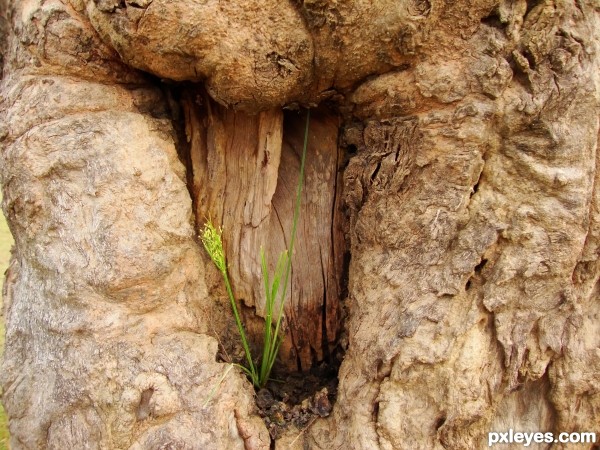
column 473, row 281
column 471, row 196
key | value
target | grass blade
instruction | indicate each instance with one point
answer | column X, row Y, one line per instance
column 211, row 238
column 275, row 343
column 213, row 243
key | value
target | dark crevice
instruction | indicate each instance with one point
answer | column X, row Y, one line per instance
column 530, row 59
column 349, row 151
column 378, row 368
column 493, row 20
column 476, row 273
column 345, row 275
column 479, row 267
column 375, row 413
column 174, row 96
column 375, row 171
column 440, row 422
column 475, row 188
column 324, row 338
column 532, row 4
column 520, row 74
column 333, row 351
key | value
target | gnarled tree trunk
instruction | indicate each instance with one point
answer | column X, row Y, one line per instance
column 452, row 163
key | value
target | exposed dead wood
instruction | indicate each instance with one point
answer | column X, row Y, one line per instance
column 245, row 173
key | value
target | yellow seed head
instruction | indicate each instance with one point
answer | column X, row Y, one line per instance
column 211, row 238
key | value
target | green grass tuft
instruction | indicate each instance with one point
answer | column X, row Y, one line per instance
column 275, row 286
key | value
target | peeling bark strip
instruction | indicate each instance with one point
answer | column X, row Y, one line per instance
column 245, row 169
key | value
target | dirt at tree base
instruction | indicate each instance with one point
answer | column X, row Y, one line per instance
column 297, row 399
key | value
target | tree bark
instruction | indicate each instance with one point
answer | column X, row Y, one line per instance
column 453, row 160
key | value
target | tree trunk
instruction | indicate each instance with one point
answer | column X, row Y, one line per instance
column 449, row 235
column 245, row 170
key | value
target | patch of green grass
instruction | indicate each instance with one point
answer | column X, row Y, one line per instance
column 276, row 285
column 6, row 242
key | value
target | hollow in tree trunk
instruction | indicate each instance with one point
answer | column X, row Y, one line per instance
column 449, row 234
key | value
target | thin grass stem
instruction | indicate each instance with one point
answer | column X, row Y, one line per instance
column 240, row 326
column 292, row 240
column 211, row 238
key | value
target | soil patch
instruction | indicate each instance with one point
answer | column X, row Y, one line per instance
column 297, row 398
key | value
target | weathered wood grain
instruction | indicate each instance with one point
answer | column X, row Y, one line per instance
column 245, row 172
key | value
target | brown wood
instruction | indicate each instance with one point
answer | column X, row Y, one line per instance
column 245, row 173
